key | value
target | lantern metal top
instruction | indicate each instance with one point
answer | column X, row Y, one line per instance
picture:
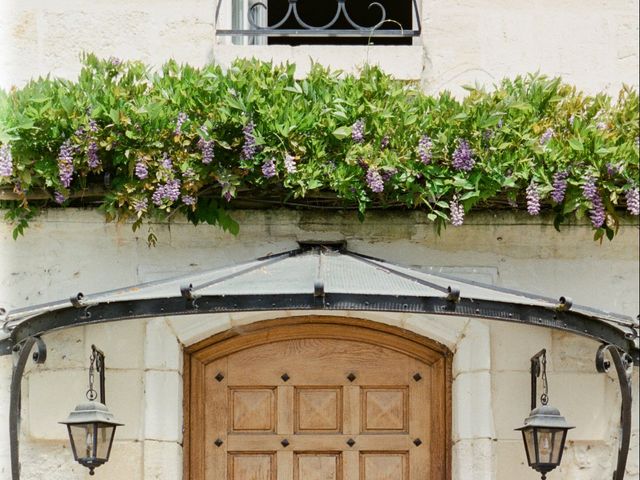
column 91, row 412
column 545, row 416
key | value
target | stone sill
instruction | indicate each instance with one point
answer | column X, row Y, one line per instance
column 404, row 62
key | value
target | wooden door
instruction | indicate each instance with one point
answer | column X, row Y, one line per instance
column 317, row 401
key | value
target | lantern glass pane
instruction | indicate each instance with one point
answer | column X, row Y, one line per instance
column 105, row 434
column 546, row 444
column 83, row 437
column 529, row 444
column 558, row 445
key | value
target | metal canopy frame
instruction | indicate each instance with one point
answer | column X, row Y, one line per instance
column 321, row 276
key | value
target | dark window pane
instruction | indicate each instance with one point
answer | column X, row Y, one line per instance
column 318, row 13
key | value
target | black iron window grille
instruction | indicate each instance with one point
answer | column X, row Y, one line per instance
column 297, row 22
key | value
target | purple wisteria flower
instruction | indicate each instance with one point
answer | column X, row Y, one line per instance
column 59, row 198
column 633, row 201
column 559, row 186
column 357, row 131
column 457, row 212
column 424, row 149
column 547, row 136
column 189, row 200
column 602, row 126
column 93, row 125
column 226, row 191
column 597, row 213
column 189, row 174
column 182, row 117
column 249, row 148
column 388, row 173
column 269, row 168
column 612, row 169
column 140, row 205
column 169, row 191
column 463, row 156
column 167, row 162
column 93, row 160
column 384, row 143
column 65, row 163
column 589, row 189
column 6, row 161
column 290, row 164
column 533, row 199
column 374, row 180
column 141, row 170
column 206, row 147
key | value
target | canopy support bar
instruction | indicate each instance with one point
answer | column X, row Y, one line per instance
column 15, row 402
column 623, row 365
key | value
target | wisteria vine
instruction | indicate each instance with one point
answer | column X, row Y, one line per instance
column 185, row 138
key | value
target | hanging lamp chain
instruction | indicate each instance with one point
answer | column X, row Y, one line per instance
column 91, row 392
column 544, row 398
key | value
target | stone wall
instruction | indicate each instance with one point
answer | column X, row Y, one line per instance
column 74, row 250
column 593, row 44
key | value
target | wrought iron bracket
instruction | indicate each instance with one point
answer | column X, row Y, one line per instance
column 536, row 370
column 623, row 364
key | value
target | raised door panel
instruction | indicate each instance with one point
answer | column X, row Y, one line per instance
column 385, row 409
column 318, row 410
column 384, row 466
column 317, row 466
column 252, row 466
column 252, row 409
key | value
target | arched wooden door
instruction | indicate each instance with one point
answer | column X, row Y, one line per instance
column 317, row 398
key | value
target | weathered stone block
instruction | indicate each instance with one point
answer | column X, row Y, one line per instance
column 472, row 407
column 163, row 406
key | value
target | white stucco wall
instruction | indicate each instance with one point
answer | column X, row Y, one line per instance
column 593, row 44
column 68, row 251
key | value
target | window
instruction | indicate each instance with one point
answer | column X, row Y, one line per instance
column 334, row 22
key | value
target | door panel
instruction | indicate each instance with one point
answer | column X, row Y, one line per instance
column 310, row 408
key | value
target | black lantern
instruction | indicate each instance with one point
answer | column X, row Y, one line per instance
column 545, row 430
column 91, row 426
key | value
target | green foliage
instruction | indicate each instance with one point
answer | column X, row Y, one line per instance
column 134, row 113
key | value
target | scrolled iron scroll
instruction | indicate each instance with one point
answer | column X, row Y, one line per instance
column 293, row 9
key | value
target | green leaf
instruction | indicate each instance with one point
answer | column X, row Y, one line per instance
column 576, row 144
column 342, row 132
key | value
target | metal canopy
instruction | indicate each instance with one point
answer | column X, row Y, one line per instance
column 318, row 277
